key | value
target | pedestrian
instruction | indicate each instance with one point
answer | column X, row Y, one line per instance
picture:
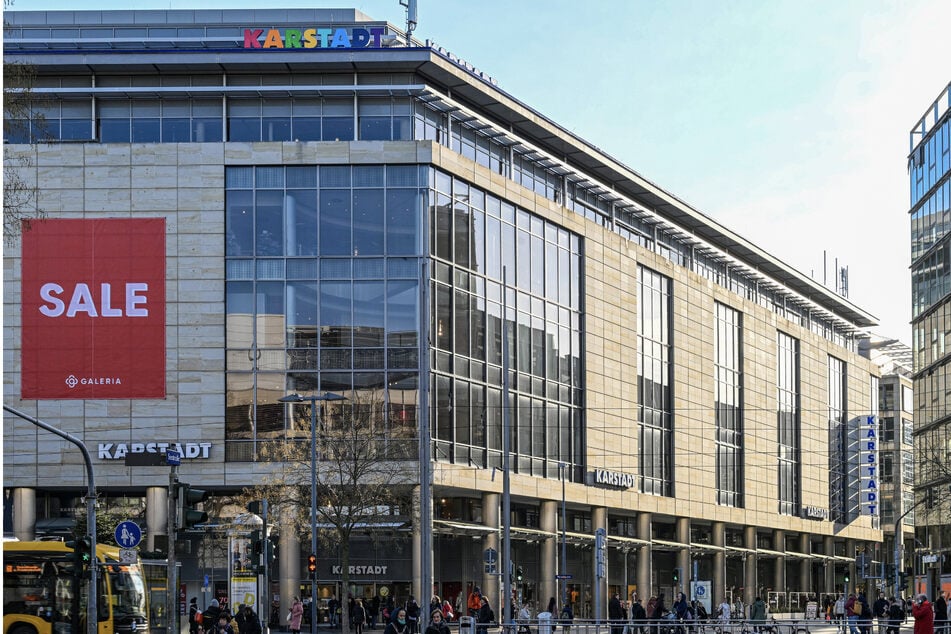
column 209, row 619
column 373, row 610
column 296, row 615
column 638, row 616
column 224, row 624
column 485, row 616
column 660, row 611
column 758, row 614
column 412, row 615
column 435, row 604
column 437, row 625
column 924, row 615
column 193, row 612
column 250, row 624
column 838, row 612
column 865, row 618
column 941, row 614
column 524, row 619
column 474, row 602
column 566, row 618
column 358, row 617
column 332, row 605
column 680, row 607
column 853, row 610
column 724, row 613
column 448, row 614
column 895, row 617
column 398, row 623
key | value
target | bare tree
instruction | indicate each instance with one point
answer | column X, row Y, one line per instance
column 366, row 471
column 933, row 451
column 20, row 107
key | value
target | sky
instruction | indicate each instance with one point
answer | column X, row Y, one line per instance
column 787, row 121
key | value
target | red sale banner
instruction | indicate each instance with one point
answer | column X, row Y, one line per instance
column 93, row 306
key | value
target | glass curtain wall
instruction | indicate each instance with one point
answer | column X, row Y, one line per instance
column 322, row 295
column 487, row 254
column 654, row 380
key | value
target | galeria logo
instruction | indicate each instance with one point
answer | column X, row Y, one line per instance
column 72, row 381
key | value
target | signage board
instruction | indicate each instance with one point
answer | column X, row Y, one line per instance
column 128, row 534
column 128, row 556
column 173, row 458
column 244, row 590
column 93, row 308
column 868, row 465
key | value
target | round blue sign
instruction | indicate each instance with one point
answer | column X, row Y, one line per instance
column 128, row 534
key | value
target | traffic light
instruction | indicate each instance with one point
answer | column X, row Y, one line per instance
column 518, row 574
column 846, row 578
column 676, row 576
column 312, row 566
column 82, row 554
column 188, row 515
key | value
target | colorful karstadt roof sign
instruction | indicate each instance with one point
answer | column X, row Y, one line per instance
column 314, row 38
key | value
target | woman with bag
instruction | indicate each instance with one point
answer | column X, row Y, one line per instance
column 295, row 616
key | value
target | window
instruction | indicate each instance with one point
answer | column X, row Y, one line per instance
column 788, row 424
column 654, row 353
column 728, row 356
column 838, row 429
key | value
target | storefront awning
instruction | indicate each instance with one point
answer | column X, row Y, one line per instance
column 445, row 527
column 530, row 534
column 660, row 544
column 765, row 552
column 711, row 547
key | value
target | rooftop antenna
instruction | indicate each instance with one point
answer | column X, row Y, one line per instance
column 410, row 19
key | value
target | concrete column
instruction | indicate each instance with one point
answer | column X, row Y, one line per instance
column 644, row 589
column 805, row 566
column 779, row 574
column 292, row 570
column 828, row 549
column 548, row 566
column 683, row 555
column 490, row 518
column 418, row 590
column 24, row 514
column 156, row 517
column 599, row 519
column 749, row 567
column 718, row 535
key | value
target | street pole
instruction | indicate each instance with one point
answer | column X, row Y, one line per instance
column 506, row 609
column 299, row 398
column 92, row 607
column 899, row 543
column 563, row 568
column 171, row 587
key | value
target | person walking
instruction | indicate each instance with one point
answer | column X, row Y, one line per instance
column 566, row 618
column 838, row 613
column 758, row 614
column 638, row 616
column 724, row 613
column 297, row 615
column 616, row 614
column 193, row 612
column 412, row 615
column 853, row 610
column 359, row 616
column 474, row 602
column 941, row 614
column 250, row 624
column 485, row 616
column 397, row 625
column 524, row 619
column 895, row 617
column 924, row 615
column 437, row 624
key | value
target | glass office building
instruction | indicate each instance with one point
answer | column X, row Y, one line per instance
column 929, row 170
column 349, row 214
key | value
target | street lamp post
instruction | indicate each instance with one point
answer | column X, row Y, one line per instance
column 562, row 471
column 300, row 398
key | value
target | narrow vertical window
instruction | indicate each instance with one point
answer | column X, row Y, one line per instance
column 728, row 357
column 838, row 442
column 788, row 424
column 654, row 397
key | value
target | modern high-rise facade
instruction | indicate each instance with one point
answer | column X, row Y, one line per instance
column 929, row 168
column 244, row 205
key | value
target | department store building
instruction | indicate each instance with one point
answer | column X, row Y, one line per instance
column 339, row 212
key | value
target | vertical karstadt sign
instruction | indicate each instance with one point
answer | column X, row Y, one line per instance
column 93, row 308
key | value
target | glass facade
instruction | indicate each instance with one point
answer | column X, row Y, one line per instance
column 322, row 294
column 728, row 355
column 788, row 424
column 654, row 380
column 838, row 436
column 489, row 255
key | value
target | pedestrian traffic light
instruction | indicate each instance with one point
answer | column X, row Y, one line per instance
column 846, row 579
column 518, row 574
column 312, row 566
column 82, row 554
column 188, row 516
column 676, row 576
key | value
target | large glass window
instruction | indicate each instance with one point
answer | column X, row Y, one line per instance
column 305, row 315
column 788, row 424
column 838, row 441
column 488, row 253
column 654, row 379
column 728, row 355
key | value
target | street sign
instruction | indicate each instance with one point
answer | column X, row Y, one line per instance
column 491, row 555
column 173, row 458
column 929, row 559
column 564, row 577
column 128, row 534
column 128, row 555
